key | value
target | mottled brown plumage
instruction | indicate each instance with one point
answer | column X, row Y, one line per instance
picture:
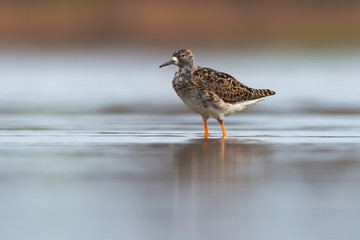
column 225, row 86
column 211, row 93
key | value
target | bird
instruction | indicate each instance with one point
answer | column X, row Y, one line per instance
column 211, row 93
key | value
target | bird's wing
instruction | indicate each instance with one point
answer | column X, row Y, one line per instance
column 225, row 86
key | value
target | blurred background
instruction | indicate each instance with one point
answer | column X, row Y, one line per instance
column 231, row 24
column 103, row 56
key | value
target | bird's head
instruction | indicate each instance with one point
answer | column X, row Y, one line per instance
column 181, row 58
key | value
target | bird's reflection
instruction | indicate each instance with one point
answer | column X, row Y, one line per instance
column 220, row 162
column 211, row 176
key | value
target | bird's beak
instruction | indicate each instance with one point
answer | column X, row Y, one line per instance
column 173, row 61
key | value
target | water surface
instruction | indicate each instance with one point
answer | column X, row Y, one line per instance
column 136, row 176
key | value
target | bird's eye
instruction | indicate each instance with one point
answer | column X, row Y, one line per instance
column 183, row 55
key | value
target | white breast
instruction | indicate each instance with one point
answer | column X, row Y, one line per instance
column 215, row 109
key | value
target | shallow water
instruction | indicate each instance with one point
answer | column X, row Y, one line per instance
column 136, row 176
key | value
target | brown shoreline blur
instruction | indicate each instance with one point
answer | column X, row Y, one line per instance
column 229, row 23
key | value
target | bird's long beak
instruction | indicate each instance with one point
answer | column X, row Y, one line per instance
column 174, row 61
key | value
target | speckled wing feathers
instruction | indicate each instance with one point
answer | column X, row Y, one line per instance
column 225, row 86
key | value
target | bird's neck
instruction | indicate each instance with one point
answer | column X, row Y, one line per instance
column 185, row 71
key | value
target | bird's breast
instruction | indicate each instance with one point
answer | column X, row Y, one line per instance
column 182, row 86
column 193, row 97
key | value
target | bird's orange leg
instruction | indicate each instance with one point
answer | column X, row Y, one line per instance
column 223, row 130
column 207, row 134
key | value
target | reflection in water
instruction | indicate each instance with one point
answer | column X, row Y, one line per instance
column 220, row 161
column 211, row 177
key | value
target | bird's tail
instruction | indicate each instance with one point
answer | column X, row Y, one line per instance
column 260, row 93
